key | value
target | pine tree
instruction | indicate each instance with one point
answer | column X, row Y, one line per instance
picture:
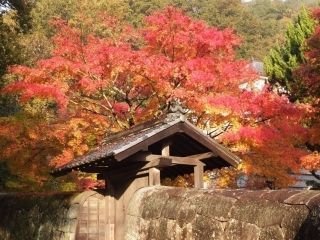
column 285, row 57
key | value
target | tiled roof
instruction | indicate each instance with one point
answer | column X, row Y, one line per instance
column 123, row 140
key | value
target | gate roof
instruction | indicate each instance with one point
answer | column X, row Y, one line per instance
column 121, row 145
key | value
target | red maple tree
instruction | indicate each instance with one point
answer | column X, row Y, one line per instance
column 136, row 74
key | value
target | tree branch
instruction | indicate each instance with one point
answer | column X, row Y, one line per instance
column 88, row 109
column 313, row 172
column 217, row 132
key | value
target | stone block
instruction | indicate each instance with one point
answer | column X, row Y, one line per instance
column 272, row 233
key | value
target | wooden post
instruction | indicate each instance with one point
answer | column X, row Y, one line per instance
column 110, row 212
column 120, row 195
column 198, row 175
column 154, row 177
column 165, row 149
column 154, row 173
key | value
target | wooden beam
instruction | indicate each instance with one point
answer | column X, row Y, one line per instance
column 151, row 160
column 144, row 157
column 213, row 145
column 198, row 176
column 189, row 160
column 161, row 162
column 124, row 176
column 138, row 167
column 203, row 155
column 154, row 177
column 184, row 161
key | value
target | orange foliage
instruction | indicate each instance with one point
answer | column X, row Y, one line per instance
column 108, row 84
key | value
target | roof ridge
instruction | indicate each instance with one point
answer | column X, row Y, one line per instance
column 164, row 118
column 133, row 129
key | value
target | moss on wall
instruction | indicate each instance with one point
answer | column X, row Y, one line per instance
column 38, row 216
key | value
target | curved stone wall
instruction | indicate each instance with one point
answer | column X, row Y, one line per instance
column 177, row 213
column 164, row 213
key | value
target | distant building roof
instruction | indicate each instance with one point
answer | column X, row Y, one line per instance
column 303, row 178
column 258, row 67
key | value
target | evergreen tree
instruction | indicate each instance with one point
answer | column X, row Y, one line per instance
column 285, row 57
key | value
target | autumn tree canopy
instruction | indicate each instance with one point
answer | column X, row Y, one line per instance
column 309, row 74
column 92, row 85
column 284, row 58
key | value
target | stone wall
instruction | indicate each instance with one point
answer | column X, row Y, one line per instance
column 176, row 213
column 39, row 216
column 165, row 213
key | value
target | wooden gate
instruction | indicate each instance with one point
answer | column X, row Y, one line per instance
column 96, row 218
column 101, row 216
